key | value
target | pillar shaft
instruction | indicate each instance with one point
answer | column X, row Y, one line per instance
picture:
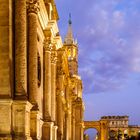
column 32, row 51
column 60, row 113
column 48, row 124
column 20, row 49
column 47, row 82
column 68, row 125
column 73, row 122
column 60, row 116
column 53, row 86
column 68, row 114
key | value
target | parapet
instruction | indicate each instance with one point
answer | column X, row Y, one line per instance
column 114, row 117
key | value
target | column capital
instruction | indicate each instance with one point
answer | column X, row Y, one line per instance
column 67, row 111
column 47, row 44
column 53, row 56
column 33, row 6
column 60, row 71
column 59, row 93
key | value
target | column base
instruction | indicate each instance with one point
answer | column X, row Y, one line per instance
column 5, row 137
column 21, row 119
column 21, row 138
column 48, row 131
column 54, row 135
column 79, row 131
column 36, row 125
column 5, row 118
column 59, row 135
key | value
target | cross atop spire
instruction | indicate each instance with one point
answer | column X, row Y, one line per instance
column 70, row 22
column 69, row 36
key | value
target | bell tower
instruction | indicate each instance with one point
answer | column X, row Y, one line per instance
column 71, row 45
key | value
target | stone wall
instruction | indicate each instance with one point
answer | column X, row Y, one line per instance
column 5, row 47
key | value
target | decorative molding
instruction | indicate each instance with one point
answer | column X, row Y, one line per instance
column 60, row 93
column 43, row 15
column 60, row 71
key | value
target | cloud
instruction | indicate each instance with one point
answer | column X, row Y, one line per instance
column 108, row 33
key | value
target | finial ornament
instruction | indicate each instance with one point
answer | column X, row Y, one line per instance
column 70, row 22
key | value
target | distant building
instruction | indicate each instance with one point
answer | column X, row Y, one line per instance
column 113, row 128
column 119, row 128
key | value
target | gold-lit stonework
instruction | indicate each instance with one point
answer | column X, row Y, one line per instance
column 113, row 128
column 119, row 128
column 40, row 89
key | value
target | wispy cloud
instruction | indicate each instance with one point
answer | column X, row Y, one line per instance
column 108, row 33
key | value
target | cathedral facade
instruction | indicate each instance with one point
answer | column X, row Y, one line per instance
column 40, row 89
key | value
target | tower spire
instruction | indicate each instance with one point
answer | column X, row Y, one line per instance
column 70, row 22
column 69, row 36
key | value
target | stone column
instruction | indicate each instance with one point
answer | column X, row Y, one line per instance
column 68, row 125
column 20, row 49
column 59, row 117
column 79, row 119
column 60, row 111
column 47, row 80
column 68, row 113
column 73, row 122
column 47, row 127
column 35, row 119
column 53, row 85
column 32, row 7
column 104, row 130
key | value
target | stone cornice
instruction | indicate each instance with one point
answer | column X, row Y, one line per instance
column 52, row 28
column 59, row 43
column 43, row 15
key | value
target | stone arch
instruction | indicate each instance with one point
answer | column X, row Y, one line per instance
column 94, row 125
column 91, row 134
column 100, row 126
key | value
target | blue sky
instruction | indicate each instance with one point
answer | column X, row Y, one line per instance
column 108, row 34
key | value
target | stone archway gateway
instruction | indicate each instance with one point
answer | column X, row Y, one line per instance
column 101, row 126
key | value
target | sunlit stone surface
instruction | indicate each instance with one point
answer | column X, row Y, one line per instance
column 40, row 89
